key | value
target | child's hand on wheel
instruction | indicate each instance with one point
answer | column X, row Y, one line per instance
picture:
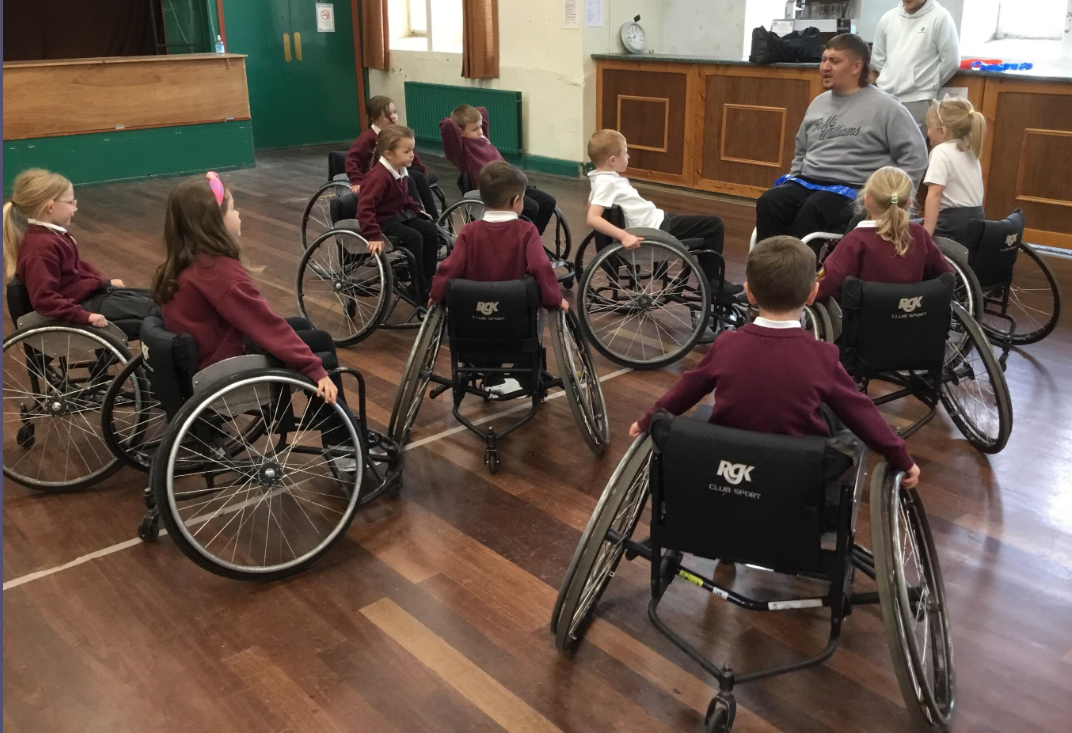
column 97, row 320
column 326, row 388
column 565, row 306
column 911, row 478
column 635, row 431
column 376, row 247
column 631, row 242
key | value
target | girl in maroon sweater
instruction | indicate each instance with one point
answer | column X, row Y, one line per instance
column 40, row 251
column 385, row 207
column 888, row 247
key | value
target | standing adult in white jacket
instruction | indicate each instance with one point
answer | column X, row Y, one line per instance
column 916, row 52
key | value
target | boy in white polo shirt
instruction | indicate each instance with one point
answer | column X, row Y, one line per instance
column 609, row 153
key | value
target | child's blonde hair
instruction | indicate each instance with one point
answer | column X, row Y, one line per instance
column 964, row 123
column 603, row 144
column 466, row 114
column 890, row 190
column 31, row 192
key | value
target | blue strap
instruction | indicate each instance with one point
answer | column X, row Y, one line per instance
column 846, row 191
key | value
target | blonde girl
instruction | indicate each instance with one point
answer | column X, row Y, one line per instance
column 44, row 256
column 954, row 176
column 887, row 247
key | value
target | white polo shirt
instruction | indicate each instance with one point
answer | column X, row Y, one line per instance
column 610, row 189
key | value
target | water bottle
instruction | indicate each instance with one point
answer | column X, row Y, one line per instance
column 219, row 44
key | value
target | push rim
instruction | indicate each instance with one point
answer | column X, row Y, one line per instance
column 316, row 218
column 133, row 420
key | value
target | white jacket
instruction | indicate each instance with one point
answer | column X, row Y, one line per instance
column 916, row 54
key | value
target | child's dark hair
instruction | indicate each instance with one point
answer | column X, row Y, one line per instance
column 391, row 137
column 465, row 114
column 193, row 225
column 500, row 182
column 377, row 107
column 780, row 273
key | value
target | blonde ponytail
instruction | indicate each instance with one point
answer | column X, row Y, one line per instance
column 890, row 191
column 32, row 191
column 964, row 124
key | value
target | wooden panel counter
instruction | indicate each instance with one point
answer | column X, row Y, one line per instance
column 729, row 126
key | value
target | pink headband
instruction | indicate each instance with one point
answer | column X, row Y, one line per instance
column 216, row 185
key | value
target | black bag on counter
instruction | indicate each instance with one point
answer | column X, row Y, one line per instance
column 797, row 47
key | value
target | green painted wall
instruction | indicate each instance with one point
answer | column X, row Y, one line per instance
column 131, row 154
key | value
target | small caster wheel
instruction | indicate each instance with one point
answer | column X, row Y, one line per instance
column 491, row 459
column 149, row 529
column 568, row 283
column 395, row 489
column 25, row 437
column 719, row 718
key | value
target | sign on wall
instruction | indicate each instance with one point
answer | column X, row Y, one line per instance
column 325, row 17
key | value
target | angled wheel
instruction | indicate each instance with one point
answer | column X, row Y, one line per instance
column 557, row 239
column 417, row 374
column 132, row 419
column 342, row 289
column 1032, row 300
column 580, row 381
column 55, row 380
column 438, row 193
column 974, row 390
column 460, row 213
column 816, row 321
column 644, row 308
column 582, row 253
column 912, row 598
column 598, row 554
column 331, row 203
column 966, row 290
column 269, row 507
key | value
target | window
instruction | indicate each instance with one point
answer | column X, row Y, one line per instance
column 1030, row 18
column 426, row 25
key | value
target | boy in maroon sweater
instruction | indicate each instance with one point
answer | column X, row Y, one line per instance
column 772, row 376
column 501, row 246
column 465, row 144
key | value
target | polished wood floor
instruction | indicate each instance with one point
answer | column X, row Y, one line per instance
column 432, row 613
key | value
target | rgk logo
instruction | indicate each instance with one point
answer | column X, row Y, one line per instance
column 910, row 304
column 1010, row 242
column 487, row 307
column 735, row 473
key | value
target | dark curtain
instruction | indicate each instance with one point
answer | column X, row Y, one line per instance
column 74, row 29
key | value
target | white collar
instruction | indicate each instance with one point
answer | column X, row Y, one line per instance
column 497, row 216
column 47, row 225
column 867, row 224
column 603, row 173
column 376, row 128
column 768, row 323
column 398, row 176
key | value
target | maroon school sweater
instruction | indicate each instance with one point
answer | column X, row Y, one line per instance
column 773, row 380
column 55, row 276
column 382, row 196
column 218, row 304
column 498, row 251
column 864, row 254
column 362, row 155
column 468, row 155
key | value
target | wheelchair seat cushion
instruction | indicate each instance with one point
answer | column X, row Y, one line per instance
column 497, row 318
column 755, row 498
column 993, row 246
column 172, row 359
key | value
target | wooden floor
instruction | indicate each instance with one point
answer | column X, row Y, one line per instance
column 432, row 613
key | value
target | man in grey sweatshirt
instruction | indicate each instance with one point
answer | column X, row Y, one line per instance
column 849, row 132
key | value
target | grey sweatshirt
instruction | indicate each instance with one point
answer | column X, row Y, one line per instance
column 847, row 137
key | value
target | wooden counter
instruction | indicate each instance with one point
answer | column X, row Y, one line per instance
column 729, row 127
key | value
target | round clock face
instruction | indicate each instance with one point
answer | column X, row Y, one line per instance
column 633, row 37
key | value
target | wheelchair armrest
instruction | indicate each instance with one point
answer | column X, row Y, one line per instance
column 341, row 177
column 824, row 236
column 36, row 320
column 472, row 194
column 352, row 225
column 226, row 368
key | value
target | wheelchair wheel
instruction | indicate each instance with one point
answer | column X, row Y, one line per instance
column 55, row 380
column 418, row 373
column 438, row 193
column 602, row 545
column 317, row 218
column 974, row 390
column 966, row 290
column 912, row 598
column 266, row 508
column 1032, row 301
column 132, row 419
column 342, row 289
column 816, row 321
column 461, row 212
column 580, row 381
column 557, row 239
column 644, row 308
column 582, row 252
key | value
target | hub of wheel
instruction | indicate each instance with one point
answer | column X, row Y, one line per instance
column 57, row 407
column 270, row 474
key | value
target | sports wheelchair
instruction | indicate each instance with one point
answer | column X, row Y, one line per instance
column 337, row 172
column 56, row 376
column 470, row 208
column 917, row 338
column 489, row 325
column 344, row 290
column 254, row 476
column 788, row 504
column 648, row 307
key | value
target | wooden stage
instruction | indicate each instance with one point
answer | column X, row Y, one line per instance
column 432, row 614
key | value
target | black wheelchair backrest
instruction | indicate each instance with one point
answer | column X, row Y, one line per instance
column 615, row 216
column 493, row 317
column 172, row 359
column 740, row 496
column 992, row 248
column 18, row 300
column 343, row 207
column 336, row 163
column 889, row 328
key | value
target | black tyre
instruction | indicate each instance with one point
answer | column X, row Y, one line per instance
column 597, row 556
column 416, row 376
column 438, row 193
column 584, row 392
column 912, row 598
column 582, row 253
column 342, row 289
column 557, row 239
column 132, row 419
column 974, row 390
column 330, row 203
column 966, row 290
column 1033, row 301
column 644, row 308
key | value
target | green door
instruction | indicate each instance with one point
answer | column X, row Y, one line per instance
column 294, row 102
